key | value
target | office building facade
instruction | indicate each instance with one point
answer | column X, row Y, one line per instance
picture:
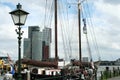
column 26, row 48
column 38, row 43
column 46, row 38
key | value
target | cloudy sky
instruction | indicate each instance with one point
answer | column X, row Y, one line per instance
column 103, row 20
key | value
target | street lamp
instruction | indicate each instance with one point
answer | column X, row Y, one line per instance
column 19, row 17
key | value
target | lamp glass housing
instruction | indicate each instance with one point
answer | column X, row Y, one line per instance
column 19, row 16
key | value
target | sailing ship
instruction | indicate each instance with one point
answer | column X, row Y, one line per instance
column 51, row 70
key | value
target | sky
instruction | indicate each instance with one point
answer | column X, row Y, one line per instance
column 102, row 18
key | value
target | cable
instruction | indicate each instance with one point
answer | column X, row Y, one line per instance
column 45, row 12
column 63, row 36
column 91, row 24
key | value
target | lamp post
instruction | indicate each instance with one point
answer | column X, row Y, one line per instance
column 19, row 17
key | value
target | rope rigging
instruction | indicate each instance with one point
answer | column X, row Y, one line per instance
column 88, row 45
column 45, row 12
column 67, row 33
column 86, row 13
column 48, row 16
column 63, row 24
column 49, row 9
column 94, row 36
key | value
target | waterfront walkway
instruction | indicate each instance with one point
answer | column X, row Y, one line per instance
column 115, row 78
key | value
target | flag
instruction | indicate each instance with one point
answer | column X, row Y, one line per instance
column 12, row 70
column 11, row 65
column 84, row 28
column 9, row 59
column 92, row 64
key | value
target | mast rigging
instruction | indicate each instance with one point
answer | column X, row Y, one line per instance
column 56, row 46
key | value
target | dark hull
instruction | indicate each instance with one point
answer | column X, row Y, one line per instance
column 47, row 77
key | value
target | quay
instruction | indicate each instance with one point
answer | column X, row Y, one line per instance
column 115, row 78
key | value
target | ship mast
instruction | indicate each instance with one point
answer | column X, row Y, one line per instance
column 56, row 46
column 79, row 31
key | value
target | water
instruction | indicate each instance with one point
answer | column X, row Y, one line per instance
column 103, row 68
